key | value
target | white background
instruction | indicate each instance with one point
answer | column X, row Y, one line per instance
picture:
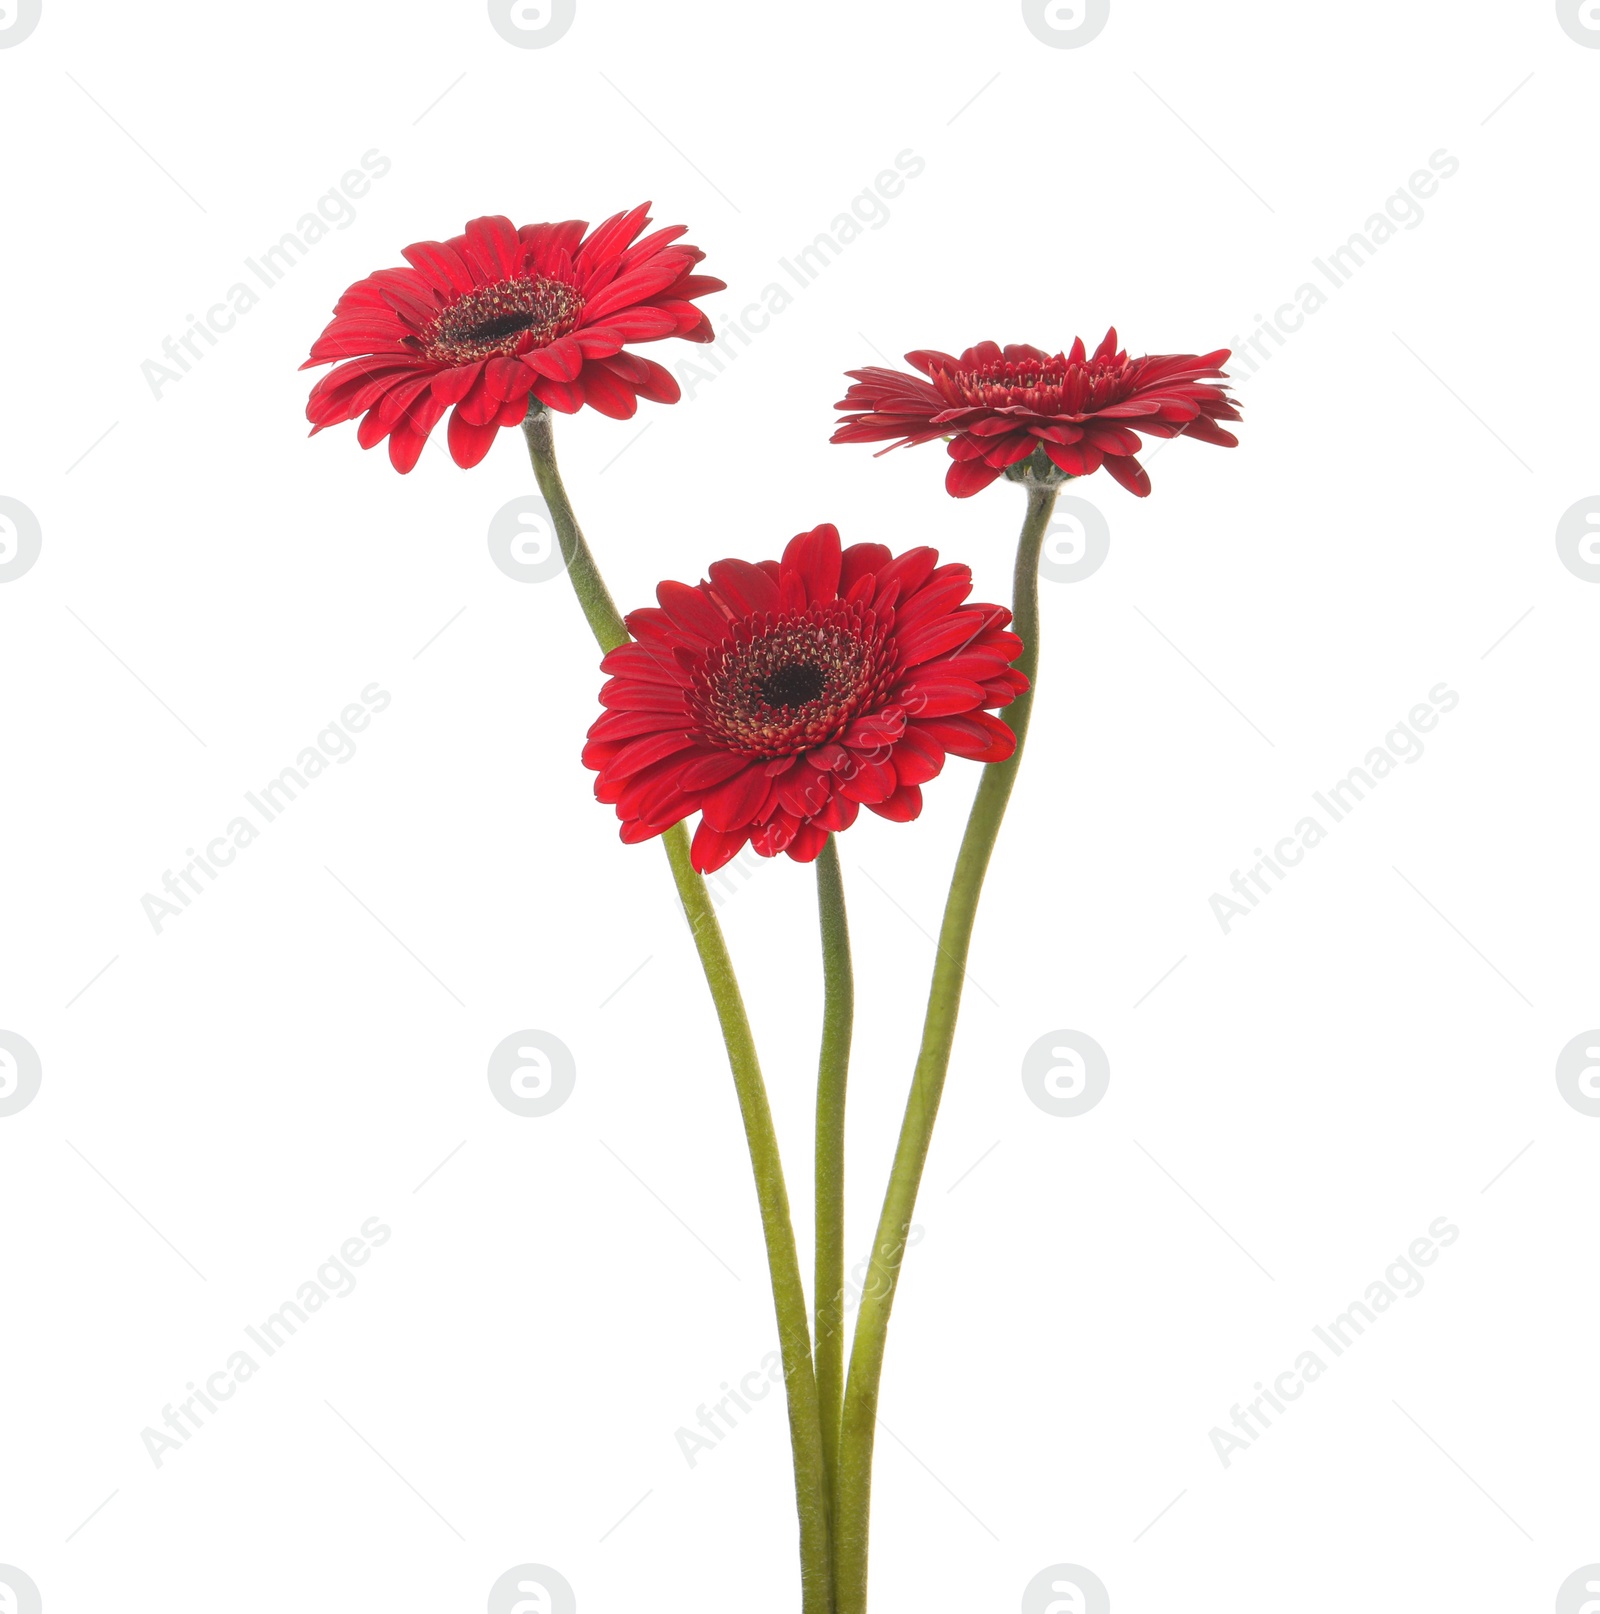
column 300, row 1050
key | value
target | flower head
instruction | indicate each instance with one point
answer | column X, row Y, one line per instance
column 488, row 319
column 779, row 699
column 997, row 406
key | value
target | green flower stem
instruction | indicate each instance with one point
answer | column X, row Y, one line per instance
column 783, row 1260
column 833, row 1069
column 933, row 1061
column 788, row 1288
column 600, row 610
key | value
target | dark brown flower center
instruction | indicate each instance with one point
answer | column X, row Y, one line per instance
column 1052, row 386
column 782, row 684
column 508, row 318
column 794, row 686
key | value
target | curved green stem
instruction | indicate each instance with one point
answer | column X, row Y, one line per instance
column 783, row 1260
column 833, row 1069
column 788, row 1288
column 922, row 1108
column 599, row 609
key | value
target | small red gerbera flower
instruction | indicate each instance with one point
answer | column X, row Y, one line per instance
column 999, row 405
column 779, row 699
column 486, row 319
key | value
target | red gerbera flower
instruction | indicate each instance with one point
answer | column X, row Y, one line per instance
column 999, row 405
column 779, row 699
column 486, row 319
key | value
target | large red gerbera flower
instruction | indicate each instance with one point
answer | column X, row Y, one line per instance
column 779, row 699
column 487, row 319
column 999, row 405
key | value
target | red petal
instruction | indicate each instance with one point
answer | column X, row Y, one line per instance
column 712, row 768
column 506, row 378
column 469, row 442
column 1076, row 459
column 877, row 730
column 1208, row 431
column 858, row 561
column 905, row 574
column 808, row 841
column 918, row 757
column 440, row 265
column 775, row 835
column 839, row 813
column 941, row 636
column 642, row 324
column 1130, row 473
column 710, row 848
column 904, row 805
column 561, row 361
column 816, row 557
column 941, row 594
column 562, row 395
column 511, row 413
column 642, row 753
column 746, row 589
column 1112, row 439
column 493, row 249
column 602, row 391
column 691, row 611
column 650, row 380
column 873, row 782
column 451, row 386
column 613, row 726
column 939, row 695
column 978, row 736
column 962, row 480
column 804, row 790
column 738, row 801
